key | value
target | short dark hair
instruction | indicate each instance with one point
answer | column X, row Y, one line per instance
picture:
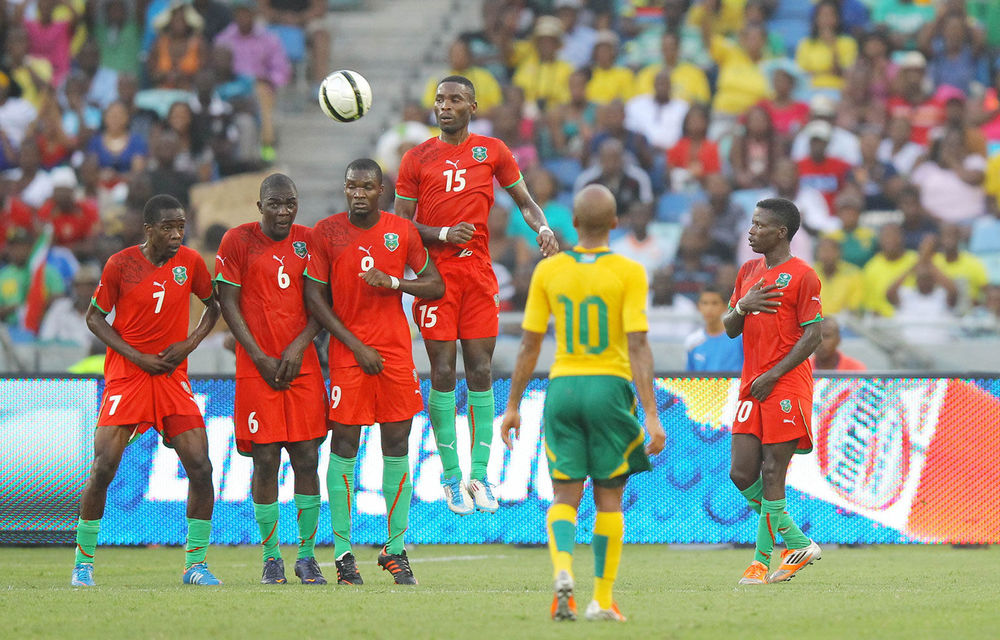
column 723, row 292
column 462, row 80
column 786, row 211
column 276, row 180
column 155, row 206
column 365, row 164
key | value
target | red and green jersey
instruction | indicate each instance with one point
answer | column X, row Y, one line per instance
column 339, row 253
column 269, row 275
column 768, row 337
column 151, row 304
column 454, row 183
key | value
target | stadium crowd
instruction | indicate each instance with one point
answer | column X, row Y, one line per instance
column 879, row 118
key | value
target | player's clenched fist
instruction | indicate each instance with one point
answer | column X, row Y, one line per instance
column 657, row 437
column 369, row 359
column 547, row 242
column 510, row 429
column 460, row 233
column 376, row 278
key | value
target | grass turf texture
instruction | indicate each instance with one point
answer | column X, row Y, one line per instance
column 499, row 591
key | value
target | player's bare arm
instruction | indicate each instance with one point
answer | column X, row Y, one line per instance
column 428, row 284
column 757, row 299
column 811, row 338
column 319, row 305
column 151, row 363
column 459, row 233
column 176, row 353
column 641, row 360
column 291, row 357
column 524, row 366
column 533, row 215
column 229, row 296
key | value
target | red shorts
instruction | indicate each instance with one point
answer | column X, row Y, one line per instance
column 470, row 308
column 264, row 416
column 357, row 398
column 782, row 417
column 163, row 402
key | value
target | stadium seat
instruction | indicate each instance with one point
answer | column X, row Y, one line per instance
column 565, row 170
column 746, row 199
column 791, row 31
column 293, row 40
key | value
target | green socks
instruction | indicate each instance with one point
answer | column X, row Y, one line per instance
column 199, row 532
column 441, row 409
column 308, row 519
column 481, row 414
column 267, row 520
column 754, row 494
column 767, row 529
column 787, row 529
column 340, row 484
column 397, row 489
column 86, row 540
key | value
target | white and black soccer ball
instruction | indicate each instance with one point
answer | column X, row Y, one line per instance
column 345, row 95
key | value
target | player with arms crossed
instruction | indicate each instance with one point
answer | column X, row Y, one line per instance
column 280, row 393
column 445, row 185
column 776, row 306
column 599, row 303
column 149, row 288
column 359, row 257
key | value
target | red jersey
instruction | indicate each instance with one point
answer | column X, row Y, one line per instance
column 923, row 117
column 269, row 274
column 844, row 363
column 339, row 253
column 151, row 303
column 70, row 228
column 454, row 183
column 14, row 215
column 768, row 337
column 827, row 177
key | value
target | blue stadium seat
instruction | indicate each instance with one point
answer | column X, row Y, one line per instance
column 565, row 170
column 675, row 206
column 746, row 199
column 791, row 30
column 293, row 40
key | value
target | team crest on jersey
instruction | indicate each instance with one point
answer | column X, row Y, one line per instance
column 391, row 241
column 496, row 300
column 786, row 406
column 180, row 275
column 478, row 153
column 783, row 279
column 300, row 248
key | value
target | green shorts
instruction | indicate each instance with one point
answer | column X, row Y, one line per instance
column 591, row 430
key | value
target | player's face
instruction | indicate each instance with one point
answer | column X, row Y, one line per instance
column 278, row 207
column 766, row 231
column 362, row 190
column 165, row 236
column 711, row 306
column 453, row 107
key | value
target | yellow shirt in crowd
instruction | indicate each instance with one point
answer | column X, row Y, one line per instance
column 741, row 82
column 687, row 82
column 488, row 93
column 606, row 85
column 879, row 274
column 815, row 57
column 844, row 291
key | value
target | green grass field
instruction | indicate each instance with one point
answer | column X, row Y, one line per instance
column 481, row 592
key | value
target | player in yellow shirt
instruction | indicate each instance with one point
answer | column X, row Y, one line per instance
column 598, row 300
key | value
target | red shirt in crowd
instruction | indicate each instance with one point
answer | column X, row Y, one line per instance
column 72, row 227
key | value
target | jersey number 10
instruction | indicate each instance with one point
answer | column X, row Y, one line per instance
column 579, row 332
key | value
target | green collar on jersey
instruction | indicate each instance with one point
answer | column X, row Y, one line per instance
column 588, row 255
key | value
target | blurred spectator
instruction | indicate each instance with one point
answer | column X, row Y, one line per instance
column 32, row 184
column 54, row 145
column 986, row 112
column 828, row 357
column 874, row 65
column 687, row 81
column 164, row 175
column 827, row 52
column 694, row 156
column 954, row 101
column 496, row 47
column 788, row 114
column 877, row 180
column 543, row 187
column 916, row 222
column 904, row 19
column 694, row 268
column 911, row 101
column 118, row 36
column 726, row 222
column 985, row 319
column 627, row 182
column 101, row 82
column 257, row 53
column 312, row 17
column 578, row 38
column 235, row 88
column 508, row 250
column 402, row 137
column 857, row 243
column 506, row 126
column 638, row 243
column 657, row 116
column 898, row 148
column 119, row 152
column 951, row 180
column 16, row 113
column 14, row 214
column 608, row 81
column 231, row 136
column 647, row 47
column 953, row 53
column 815, row 212
column 754, row 150
column 65, row 321
column 216, row 16
column 611, row 120
column 179, row 49
column 33, row 74
column 80, row 119
column 15, row 277
column 741, row 82
column 709, row 348
column 840, row 281
column 924, row 299
column 843, row 144
column 140, row 120
column 50, row 37
column 984, row 239
column 966, row 270
column 74, row 222
column 488, row 92
column 891, row 262
column 543, row 76
column 571, row 126
column 195, row 154
column 663, row 297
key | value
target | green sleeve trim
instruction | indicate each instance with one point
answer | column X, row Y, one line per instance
column 405, row 197
column 427, row 261
column 93, row 301
column 519, row 179
column 306, row 274
column 818, row 318
column 219, row 278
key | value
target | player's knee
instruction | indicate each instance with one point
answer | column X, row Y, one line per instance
column 742, row 478
column 305, row 462
column 479, row 374
column 395, row 447
column 103, row 471
column 344, row 447
column 199, row 471
column 772, row 473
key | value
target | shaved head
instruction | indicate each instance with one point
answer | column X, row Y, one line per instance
column 594, row 210
column 275, row 180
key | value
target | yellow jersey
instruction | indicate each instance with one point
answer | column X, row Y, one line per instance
column 596, row 297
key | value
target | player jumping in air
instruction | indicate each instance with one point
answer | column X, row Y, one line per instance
column 360, row 256
column 598, row 300
column 446, row 186
column 149, row 287
column 280, row 394
column 776, row 306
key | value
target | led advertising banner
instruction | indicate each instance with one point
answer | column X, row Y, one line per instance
column 896, row 460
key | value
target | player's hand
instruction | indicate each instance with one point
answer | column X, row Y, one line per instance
column 762, row 386
column 547, row 243
column 657, row 437
column 289, row 365
column 369, row 359
column 153, row 364
column 376, row 278
column 461, row 233
column 175, row 354
column 268, row 368
column 759, row 299
column 510, row 428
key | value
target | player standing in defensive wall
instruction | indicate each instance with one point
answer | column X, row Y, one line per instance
column 149, row 288
column 359, row 256
column 598, row 300
column 776, row 306
column 280, row 393
column 445, row 185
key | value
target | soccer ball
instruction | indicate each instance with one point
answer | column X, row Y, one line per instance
column 345, row 95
